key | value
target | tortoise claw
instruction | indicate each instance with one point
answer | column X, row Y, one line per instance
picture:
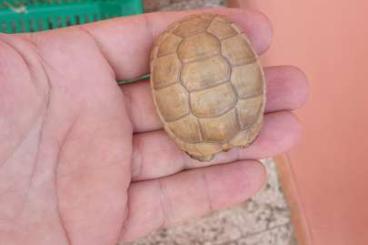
column 202, row 158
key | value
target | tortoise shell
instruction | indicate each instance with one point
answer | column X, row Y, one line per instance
column 208, row 85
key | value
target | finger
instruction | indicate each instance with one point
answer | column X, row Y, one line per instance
column 287, row 89
column 156, row 155
column 162, row 202
column 126, row 42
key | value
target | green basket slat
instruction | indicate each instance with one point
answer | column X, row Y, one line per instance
column 37, row 15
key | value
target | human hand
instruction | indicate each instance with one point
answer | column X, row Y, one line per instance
column 83, row 161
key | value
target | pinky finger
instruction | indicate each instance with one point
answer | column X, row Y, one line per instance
column 159, row 203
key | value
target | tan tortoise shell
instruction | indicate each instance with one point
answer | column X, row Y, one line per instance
column 208, row 85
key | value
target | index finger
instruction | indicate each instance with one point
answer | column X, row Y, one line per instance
column 126, row 42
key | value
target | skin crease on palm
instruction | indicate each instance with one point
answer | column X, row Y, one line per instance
column 85, row 162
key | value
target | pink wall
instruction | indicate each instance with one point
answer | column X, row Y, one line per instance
column 329, row 41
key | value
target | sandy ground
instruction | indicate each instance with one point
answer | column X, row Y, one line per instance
column 263, row 220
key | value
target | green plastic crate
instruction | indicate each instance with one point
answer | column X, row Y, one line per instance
column 38, row 15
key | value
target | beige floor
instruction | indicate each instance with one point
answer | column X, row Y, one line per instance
column 264, row 220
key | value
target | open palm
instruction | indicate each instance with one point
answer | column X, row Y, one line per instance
column 83, row 161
